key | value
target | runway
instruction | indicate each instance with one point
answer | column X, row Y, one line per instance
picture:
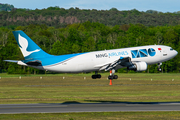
column 88, row 107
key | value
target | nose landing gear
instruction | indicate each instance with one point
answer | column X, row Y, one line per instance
column 159, row 67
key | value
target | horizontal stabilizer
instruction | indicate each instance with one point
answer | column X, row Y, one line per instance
column 14, row 61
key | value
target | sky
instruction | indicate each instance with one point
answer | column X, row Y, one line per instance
column 141, row 5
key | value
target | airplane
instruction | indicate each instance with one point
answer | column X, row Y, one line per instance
column 133, row 58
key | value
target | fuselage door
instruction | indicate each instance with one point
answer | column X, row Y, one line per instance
column 164, row 52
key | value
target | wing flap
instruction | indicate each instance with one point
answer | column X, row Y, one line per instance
column 121, row 61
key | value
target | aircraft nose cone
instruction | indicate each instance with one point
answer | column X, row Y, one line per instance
column 175, row 52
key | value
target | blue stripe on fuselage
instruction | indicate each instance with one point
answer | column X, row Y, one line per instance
column 52, row 59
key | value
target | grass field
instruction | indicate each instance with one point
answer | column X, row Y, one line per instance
column 137, row 87
column 175, row 115
column 74, row 88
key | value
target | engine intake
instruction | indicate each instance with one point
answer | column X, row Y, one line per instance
column 138, row 66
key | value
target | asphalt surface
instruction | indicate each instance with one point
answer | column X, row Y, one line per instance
column 88, row 107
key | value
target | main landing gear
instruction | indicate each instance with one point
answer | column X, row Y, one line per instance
column 96, row 76
column 112, row 76
column 159, row 67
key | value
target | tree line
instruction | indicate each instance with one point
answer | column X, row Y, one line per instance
column 6, row 7
column 86, row 37
column 60, row 17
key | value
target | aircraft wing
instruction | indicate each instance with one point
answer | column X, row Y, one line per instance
column 121, row 61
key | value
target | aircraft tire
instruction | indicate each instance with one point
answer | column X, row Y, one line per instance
column 94, row 77
column 99, row 76
column 110, row 77
column 115, row 77
column 159, row 69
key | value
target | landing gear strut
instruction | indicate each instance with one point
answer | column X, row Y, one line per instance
column 112, row 76
column 96, row 75
column 159, row 67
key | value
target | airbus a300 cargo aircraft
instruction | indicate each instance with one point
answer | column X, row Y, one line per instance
column 134, row 58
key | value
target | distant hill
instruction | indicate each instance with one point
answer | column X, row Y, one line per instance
column 60, row 17
column 6, row 7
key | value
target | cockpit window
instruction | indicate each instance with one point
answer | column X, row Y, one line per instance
column 171, row 49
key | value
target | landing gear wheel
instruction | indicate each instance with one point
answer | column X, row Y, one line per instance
column 115, row 77
column 99, row 76
column 96, row 76
column 93, row 76
column 110, row 77
column 159, row 67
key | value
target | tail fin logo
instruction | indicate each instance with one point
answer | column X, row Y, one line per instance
column 24, row 45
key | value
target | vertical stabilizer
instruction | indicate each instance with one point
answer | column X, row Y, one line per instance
column 29, row 49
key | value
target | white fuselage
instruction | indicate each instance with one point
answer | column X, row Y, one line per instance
column 94, row 61
column 134, row 58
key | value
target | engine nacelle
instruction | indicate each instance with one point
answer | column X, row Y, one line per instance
column 138, row 66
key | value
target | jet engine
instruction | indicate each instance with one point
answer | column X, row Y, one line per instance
column 138, row 66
